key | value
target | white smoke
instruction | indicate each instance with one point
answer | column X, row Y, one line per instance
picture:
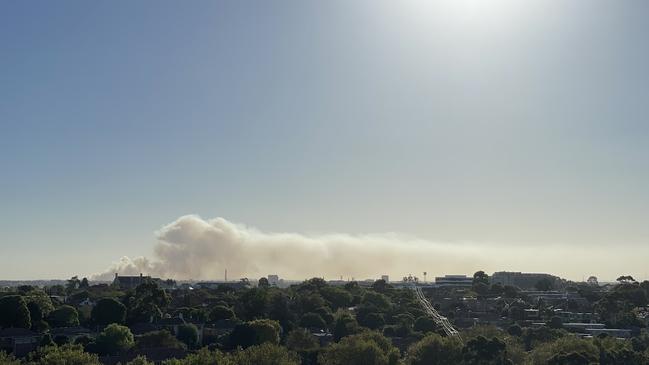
column 194, row 248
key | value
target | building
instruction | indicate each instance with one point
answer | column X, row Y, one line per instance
column 522, row 280
column 461, row 281
column 241, row 284
column 273, row 280
column 18, row 341
column 129, row 282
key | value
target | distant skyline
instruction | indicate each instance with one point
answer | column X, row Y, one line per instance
column 517, row 129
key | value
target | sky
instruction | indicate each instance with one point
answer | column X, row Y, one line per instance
column 516, row 129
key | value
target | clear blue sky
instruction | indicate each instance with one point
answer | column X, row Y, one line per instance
column 448, row 120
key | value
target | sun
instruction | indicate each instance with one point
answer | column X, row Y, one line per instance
column 466, row 15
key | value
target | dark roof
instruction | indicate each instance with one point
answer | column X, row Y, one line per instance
column 170, row 321
column 142, row 328
column 17, row 332
column 69, row 331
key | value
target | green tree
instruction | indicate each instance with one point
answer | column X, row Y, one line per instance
column 14, row 312
column 482, row 351
column 107, row 311
column 515, row 330
column 84, row 284
column 312, row 320
column 301, row 340
column 148, row 301
column 114, row 339
column 8, row 359
column 140, row 360
column 344, row 325
column 425, row 324
column 221, row 312
column 255, row 333
column 373, row 321
column 435, row 350
column 201, row 357
column 62, row 355
column 265, row 354
column 253, row 304
column 369, row 348
column 63, row 316
column 188, row 334
column 480, row 277
column 542, row 353
column 46, row 340
column 73, row 283
column 376, row 300
column 263, row 283
column 158, row 339
column 336, row 297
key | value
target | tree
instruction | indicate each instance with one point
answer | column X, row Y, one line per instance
column 336, row 297
column 263, row 283
column 62, row 355
column 480, row 277
column 435, row 350
column 424, row 324
column 14, row 312
column 312, row 320
column 377, row 300
column 255, row 333
column 543, row 352
column 188, row 334
column 265, row 354
column 369, row 348
column 544, row 284
column 381, row 286
column 344, row 325
column 64, row 316
column 114, row 339
column 221, row 312
column 158, row 339
column 253, row 304
column 480, row 351
column 36, row 315
column 555, row 322
column 84, row 284
column 46, row 340
column 626, row 279
column 73, row 283
column 515, row 330
column 107, row 311
column 140, row 360
column 148, row 302
column 8, row 359
column 301, row 340
column 372, row 321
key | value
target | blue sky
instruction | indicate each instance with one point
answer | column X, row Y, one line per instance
column 513, row 124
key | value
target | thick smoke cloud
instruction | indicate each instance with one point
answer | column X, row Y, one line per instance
column 194, row 248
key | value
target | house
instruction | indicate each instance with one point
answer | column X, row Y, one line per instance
column 129, row 282
column 70, row 333
column 462, row 281
column 18, row 341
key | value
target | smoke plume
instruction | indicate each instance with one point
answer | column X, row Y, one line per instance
column 195, row 248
